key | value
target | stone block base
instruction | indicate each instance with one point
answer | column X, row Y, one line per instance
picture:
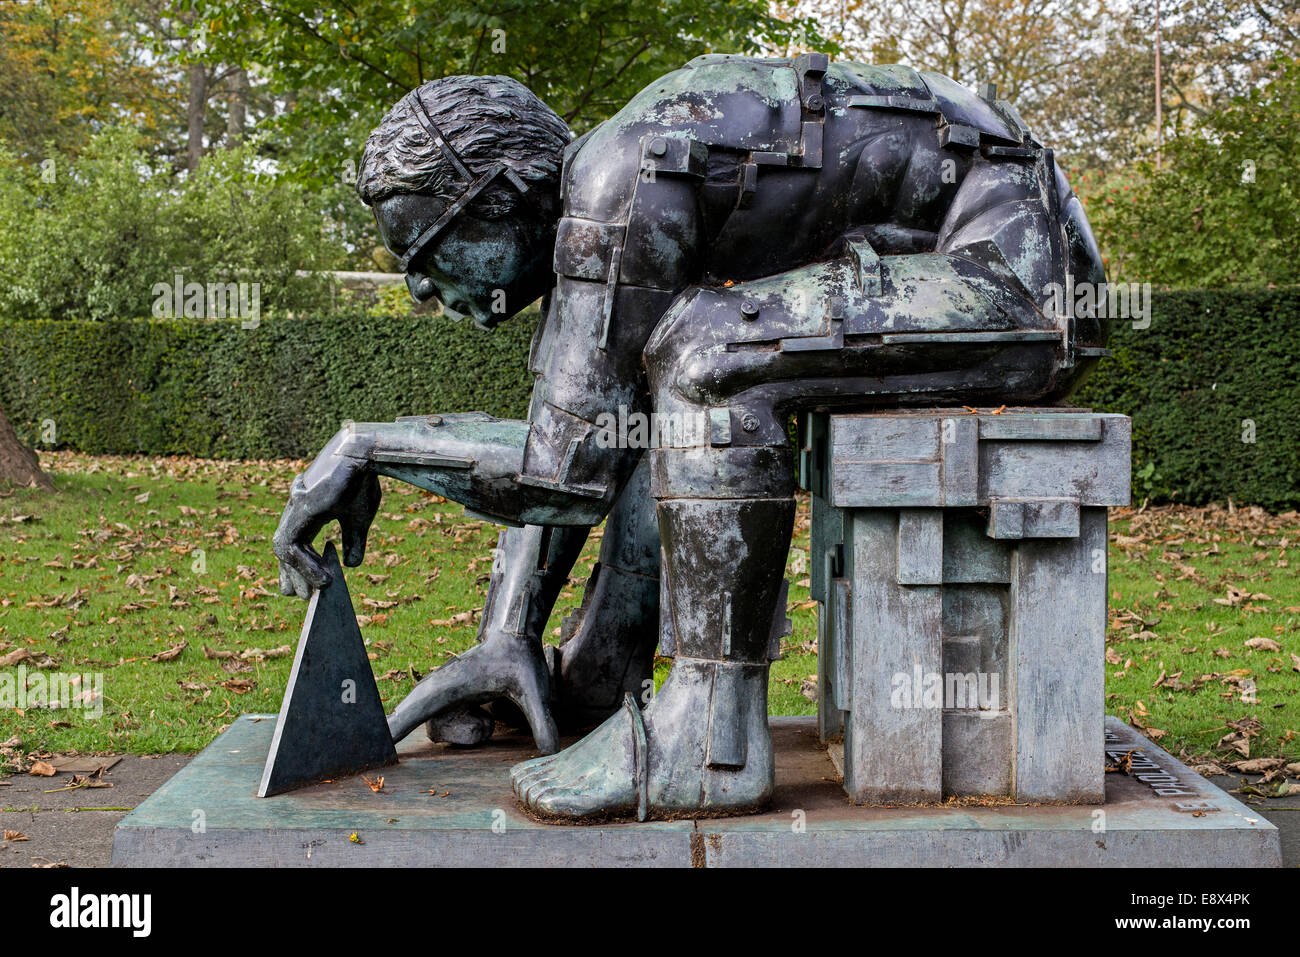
column 447, row 807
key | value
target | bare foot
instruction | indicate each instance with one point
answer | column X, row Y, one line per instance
column 661, row 765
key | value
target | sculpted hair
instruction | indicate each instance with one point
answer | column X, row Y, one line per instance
column 487, row 119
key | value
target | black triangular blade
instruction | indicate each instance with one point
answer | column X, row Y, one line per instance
column 332, row 722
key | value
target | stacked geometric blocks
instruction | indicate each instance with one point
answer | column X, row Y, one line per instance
column 960, row 563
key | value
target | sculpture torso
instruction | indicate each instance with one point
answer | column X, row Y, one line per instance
column 895, row 147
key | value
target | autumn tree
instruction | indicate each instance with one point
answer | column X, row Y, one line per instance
column 68, row 67
column 1223, row 209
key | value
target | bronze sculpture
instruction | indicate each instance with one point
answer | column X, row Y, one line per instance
column 748, row 238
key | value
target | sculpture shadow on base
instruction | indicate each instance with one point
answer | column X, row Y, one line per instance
column 332, row 721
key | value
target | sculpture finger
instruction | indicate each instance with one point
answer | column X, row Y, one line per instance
column 356, row 518
column 286, row 583
column 297, row 584
column 303, row 561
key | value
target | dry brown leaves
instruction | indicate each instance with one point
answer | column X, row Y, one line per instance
column 172, row 653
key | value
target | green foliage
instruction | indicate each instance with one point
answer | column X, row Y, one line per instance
column 68, row 67
column 215, row 388
column 1225, row 208
column 1211, row 389
column 89, row 237
column 341, row 71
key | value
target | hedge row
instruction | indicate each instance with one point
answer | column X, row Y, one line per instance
column 1212, row 389
column 1210, row 384
column 217, row 389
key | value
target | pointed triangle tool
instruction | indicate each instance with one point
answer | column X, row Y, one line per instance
column 332, row 722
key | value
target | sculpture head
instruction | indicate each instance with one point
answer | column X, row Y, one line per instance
column 463, row 175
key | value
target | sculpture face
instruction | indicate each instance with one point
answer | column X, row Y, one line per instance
column 488, row 269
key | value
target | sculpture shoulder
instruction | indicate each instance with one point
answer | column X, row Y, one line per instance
column 895, row 87
column 717, row 101
column 963, row 107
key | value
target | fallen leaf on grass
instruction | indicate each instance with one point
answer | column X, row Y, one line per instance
column 1262, row 644
column 238, row 685
column 1237, row 742
column 259, row 654
column 1258, row 765
column 172, row 653
column 808, row 687
column 15, row 657
column 1171, row 681
column 459, row 619
column 1236, row 596
column 1249, row 725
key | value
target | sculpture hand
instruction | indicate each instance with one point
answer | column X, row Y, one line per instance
column 335, row 487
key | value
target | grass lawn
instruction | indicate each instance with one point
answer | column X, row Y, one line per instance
column 158, row 574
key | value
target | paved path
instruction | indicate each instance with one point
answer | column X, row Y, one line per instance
column 64, row 827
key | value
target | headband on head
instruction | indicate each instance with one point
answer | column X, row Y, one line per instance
column 474, row 187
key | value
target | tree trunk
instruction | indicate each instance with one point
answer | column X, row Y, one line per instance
column 18, row 464
column 237, row 117
column 196, row 113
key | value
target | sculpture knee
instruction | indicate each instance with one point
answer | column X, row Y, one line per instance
column 695, row 375
column 724, row 442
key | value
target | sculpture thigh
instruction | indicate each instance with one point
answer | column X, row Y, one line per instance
column 741, row 359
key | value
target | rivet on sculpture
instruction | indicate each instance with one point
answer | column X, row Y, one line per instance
column 746, row 240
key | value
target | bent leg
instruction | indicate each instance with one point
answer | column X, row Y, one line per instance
column 610, row 640
column 530, row 568
column 702, row 745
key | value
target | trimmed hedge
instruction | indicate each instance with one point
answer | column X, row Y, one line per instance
column 1209, row 365
column 1214, row 370
column 216, row 389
